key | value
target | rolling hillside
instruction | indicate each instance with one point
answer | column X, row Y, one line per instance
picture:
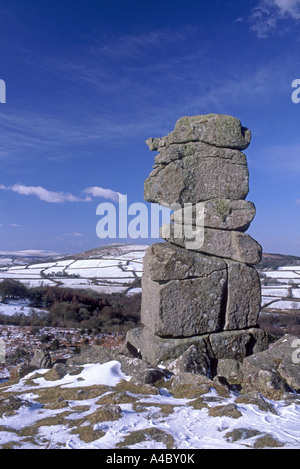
column 115, row 268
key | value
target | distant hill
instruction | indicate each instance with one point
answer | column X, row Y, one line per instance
column 108, row 251
column 26, row 257
column 273, row 261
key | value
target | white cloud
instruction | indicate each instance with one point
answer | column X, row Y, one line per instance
column 42, row 193
column 61, row 197
column 76, row 234
column 266, row 16
column 37, row 253
column 289, row 7
column 97, row 191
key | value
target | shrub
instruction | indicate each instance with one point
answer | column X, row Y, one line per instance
column 12, row 289
column 76, row 308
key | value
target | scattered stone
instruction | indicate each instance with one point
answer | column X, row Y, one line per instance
column 192, row 360
column 230, row 370
column 21, row 370
column 239, row 434
column 267, row 441
column 272, row 372
column 90, row 354
column 228, row 410
column 190, row 386
column 9, row 405
column 107, row 412
column 60, row 370
column 255, row 398
column 133, row 342
column 87, row 433
column 152, row 434
column 41, row 359
column 190, row 379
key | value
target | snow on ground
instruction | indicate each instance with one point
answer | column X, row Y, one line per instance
column 18, row 307
column 76, row 408
column 275, row 291
column 282, row 274
column 103, row 272
column 284, row 305
column 280, row 289
column 5, row 261
column 294, row 268
column 266, row 300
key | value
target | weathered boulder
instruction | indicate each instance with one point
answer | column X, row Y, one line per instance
column 215, row 129
column 238, row 344
column 164, row 262
column 60, row 370
column 233, row 245
column 155, row 349
column 183, row 292
column 90, row 354
column 134, row 339
column 198, row 177
column 243, row 296
column 223, row 214
column 230, row 369
column 184, row 308
column 41, row 359
column 228, row 344
column 228, row 296
column 192, row 361
column 275, row 370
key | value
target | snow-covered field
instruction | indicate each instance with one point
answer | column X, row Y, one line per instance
column 68, row 413
column 281, row 288
column 113, row 272
column 12, row 307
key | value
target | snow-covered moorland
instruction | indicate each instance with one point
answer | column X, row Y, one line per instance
column 96, row 406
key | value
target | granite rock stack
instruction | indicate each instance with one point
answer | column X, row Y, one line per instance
column 200, row 291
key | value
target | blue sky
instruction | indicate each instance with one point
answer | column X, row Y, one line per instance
column 87, row 82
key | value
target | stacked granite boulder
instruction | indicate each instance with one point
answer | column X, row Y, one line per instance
column 203, row 296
